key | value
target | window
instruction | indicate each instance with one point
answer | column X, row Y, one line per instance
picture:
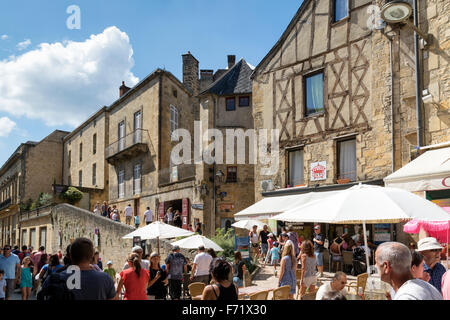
column 80, row 178
column 69, row 180
column 138, row 127
column 121, row 135
column 33, row 238
column 230, row 104
column 173, row 119
column 94, row 174
column 314, row 93
column 137, row 179
column 231, row 174
column 24, row 238
column 81, row 152
column 94, row 144
column 296, row 168
column 347, row 159
column 340, row 10
column 244, row 101
column 43, row 236
column 70, row 158
column 121, row 183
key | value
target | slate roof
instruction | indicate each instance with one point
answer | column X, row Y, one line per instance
column 234, row 81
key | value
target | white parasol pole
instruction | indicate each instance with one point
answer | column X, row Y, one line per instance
column 366, row 247
column 157, row 243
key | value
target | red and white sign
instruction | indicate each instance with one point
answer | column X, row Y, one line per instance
column 319, row 171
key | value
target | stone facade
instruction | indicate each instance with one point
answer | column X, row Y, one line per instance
column 31, row 170
column 159, row 96
column 355, row 61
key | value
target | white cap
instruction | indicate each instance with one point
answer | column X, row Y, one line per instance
column 429, row 243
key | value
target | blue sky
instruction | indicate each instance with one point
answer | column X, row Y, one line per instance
column 54, row 95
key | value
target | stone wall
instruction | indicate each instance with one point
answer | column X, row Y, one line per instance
column 43, row 165
column 70, row 222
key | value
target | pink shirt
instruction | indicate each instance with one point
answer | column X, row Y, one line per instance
column 446, row 286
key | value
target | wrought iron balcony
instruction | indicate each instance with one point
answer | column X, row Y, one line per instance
column 5, row 204
column 132, row 145
column 181, row 173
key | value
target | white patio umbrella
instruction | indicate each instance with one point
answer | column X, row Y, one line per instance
column 248, row 224
column 366, row 204
column 196, row 241
column 158, row 230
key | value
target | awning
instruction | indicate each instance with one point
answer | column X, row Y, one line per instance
column 430, row 171
column 272, row 206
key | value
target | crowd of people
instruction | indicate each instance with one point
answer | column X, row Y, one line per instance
column 130, row 217
column 140, row 278
column 417, row 275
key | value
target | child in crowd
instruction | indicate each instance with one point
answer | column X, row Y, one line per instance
column 136, row 221
column 110, row 271
column 26, row 282
column 2, row 285
column 275, row 254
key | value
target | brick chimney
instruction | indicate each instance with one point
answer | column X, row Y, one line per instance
column 231, row 61
column 123, row 89
column 190, row 73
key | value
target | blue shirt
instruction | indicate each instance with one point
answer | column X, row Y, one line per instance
column 275, row 252
column 53, row 269
column 435, row 275
column 9, row 266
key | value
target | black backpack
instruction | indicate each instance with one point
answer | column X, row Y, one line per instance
column 55, row 288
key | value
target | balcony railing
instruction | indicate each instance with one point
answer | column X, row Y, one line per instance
column 5, row 204
column 131, row 145
column 39, row 212
column 176, row 174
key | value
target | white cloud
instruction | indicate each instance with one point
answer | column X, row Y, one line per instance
column 64, row 83
column 6, row 126
column 23, row 45
column 4, row 37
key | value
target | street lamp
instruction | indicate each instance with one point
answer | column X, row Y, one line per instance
column 399, row 12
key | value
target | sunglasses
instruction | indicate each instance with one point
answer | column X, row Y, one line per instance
column 436, row 250
column 6, row 249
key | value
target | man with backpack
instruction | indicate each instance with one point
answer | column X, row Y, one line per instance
column 79, row 281
column 176, row 265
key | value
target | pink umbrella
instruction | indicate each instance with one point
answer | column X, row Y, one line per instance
column 436, row 229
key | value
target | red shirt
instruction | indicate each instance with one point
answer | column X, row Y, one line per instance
column 135, row 287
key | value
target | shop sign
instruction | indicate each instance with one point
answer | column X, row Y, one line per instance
column 226, row 207
column 197, row 206
column 318, row 171
column 242, row 244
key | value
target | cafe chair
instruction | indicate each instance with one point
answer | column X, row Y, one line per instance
column 309, row 295
column 348, row 258
column 259, row 295
column 196, row 289
column 281, row 293
column 298, row 273
column 361, row 282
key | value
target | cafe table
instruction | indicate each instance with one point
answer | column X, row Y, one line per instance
column 247, row 291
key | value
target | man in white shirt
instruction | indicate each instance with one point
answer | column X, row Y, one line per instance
column 128, row 214
column 393, row 261
column 145, row 264
column 148, row 214
column 200, row 269
column 336, row 285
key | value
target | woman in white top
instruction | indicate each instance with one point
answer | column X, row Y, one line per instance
column 254, row 240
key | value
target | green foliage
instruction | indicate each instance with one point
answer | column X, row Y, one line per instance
column 26, row 205
column 72, row 195
column 45, row 199
column 226, row 241
column 34, row 206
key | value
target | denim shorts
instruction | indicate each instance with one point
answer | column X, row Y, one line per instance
column 264, row 248
column 319, row 258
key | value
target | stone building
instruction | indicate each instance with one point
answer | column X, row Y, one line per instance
column 344, row 117
column 31, row 170
column 84, row 159
column 141, row 122
column 226, row 105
